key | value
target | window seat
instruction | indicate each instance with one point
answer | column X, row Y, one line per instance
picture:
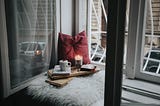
column 81, row 91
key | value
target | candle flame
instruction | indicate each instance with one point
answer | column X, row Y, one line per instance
column 38, row 52
column 78, row 57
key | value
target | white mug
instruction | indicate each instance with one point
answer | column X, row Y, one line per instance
column 65, row 65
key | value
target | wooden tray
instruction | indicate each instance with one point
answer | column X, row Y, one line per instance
column 73, row 73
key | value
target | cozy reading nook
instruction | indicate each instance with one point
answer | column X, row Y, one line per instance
column 70, row 53
column 49, row 46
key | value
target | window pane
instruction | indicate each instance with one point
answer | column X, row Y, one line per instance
column 152, row 45
column 141, row 77
column 98, row 31
column 30, row 25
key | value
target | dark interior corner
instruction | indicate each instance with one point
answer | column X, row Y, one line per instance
column 16, row 99
column 1, row 92
column 21, row 99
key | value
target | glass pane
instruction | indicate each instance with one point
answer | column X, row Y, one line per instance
column 98, row 31
column 151, row 44
column 30, row 25
column 142, row 83
column 151, row 66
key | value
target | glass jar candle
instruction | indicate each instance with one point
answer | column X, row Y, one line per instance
column 78, row 61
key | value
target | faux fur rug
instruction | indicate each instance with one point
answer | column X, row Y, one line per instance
column 81, row 91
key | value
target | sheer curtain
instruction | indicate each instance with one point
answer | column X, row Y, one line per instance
column 30, row 30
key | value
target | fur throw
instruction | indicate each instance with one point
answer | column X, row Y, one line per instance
column 81, row 91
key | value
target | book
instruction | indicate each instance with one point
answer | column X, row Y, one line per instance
column 57, row 71
column 59, row 82
column 88, row 67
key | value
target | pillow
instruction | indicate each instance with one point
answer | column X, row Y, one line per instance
column 70, row 46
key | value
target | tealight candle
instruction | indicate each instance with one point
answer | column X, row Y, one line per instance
column 78, row 61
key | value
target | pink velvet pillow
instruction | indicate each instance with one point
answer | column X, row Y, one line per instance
column 69, row 46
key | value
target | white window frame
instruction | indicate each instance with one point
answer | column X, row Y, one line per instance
column 135, row 47
column 6, row 85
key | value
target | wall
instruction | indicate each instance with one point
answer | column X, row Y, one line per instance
column 67, row 16
column 72, row 16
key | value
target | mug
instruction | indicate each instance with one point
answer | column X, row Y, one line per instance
column 65, row 65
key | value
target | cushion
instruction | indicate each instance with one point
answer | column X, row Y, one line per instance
column 70, row 46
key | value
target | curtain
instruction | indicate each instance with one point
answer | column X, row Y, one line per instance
column 30, row 30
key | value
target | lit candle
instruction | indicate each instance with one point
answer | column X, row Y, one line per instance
column 78, row 61
column 78, row 57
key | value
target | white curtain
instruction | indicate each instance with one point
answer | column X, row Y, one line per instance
column 30, row 28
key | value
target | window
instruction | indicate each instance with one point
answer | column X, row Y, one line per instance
column 98, row 31
column 114, row 65
column 151, row 44
column 30, row 28
column 143, row 49
column 115, row 47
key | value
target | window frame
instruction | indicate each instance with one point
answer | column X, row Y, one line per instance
column 115, row 50
column 6, row 83
column 135, row 47
column 133, row 39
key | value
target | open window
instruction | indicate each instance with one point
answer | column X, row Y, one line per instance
column 143, row 41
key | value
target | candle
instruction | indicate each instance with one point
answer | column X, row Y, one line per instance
column 78, row 61
column 78, row 57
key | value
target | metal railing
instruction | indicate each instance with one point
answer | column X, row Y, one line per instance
column 152, row 62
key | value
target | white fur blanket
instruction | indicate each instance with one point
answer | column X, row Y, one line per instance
column 81, row 91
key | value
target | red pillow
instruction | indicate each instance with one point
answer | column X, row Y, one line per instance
column 69, row 46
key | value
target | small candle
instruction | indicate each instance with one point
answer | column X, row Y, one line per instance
column 78, row 61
